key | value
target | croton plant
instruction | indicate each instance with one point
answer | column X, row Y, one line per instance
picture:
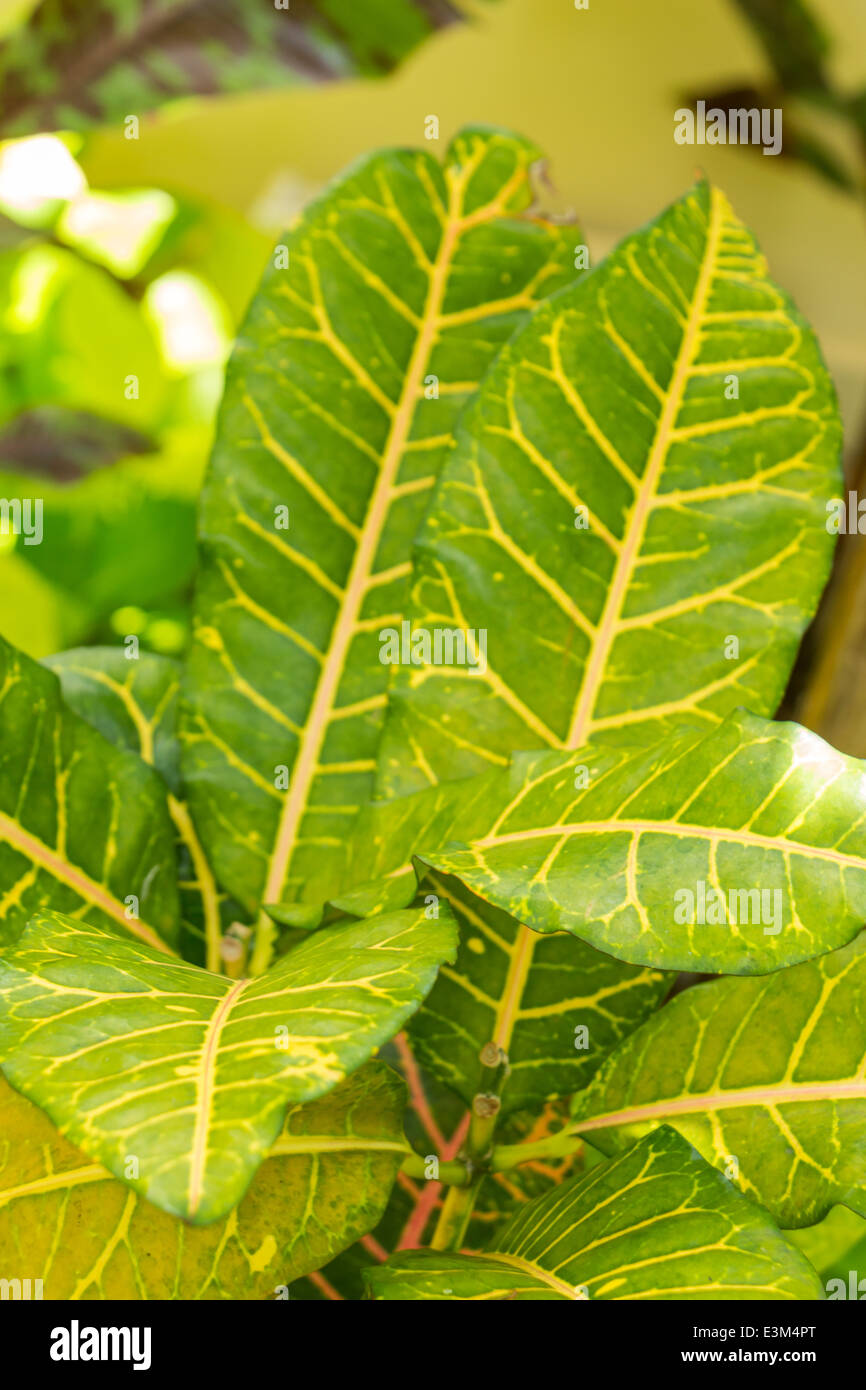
column 455, row 922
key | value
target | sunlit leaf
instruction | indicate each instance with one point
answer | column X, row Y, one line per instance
column 186, row 1071
column 739, row 852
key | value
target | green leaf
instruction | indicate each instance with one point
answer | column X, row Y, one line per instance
column 655, row 1223
column 133, row 703
column 75, row 63
column 324, row 1183
column 705, row 547
column 758, row 828
column 329, row 441
column 189, row 1072
column 767, row 1072
column 84, row 826
column 554, row 1005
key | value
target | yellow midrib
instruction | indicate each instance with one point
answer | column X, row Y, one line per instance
column 205, row 1080
column 304, row 769
column 533, row 1270
column 762, row 1096
column 679, row 830
column 594, row 675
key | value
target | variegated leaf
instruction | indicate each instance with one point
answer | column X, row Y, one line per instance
column 187, row 1072
column 739, row 852
column 399, row 286
column 766, row 1077
column 84, row 826
column 634, row 516
column 323, row 1184
column 656, row 1223
column 133, row 703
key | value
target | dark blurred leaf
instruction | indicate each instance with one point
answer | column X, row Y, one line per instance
column 64, row 444
column 76, row 62
column 793, row 41
column 798, row 143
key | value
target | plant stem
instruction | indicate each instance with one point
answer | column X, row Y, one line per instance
column 459, row 1204
column 452, row 1172
column 560, row 1145
column 454, row 1217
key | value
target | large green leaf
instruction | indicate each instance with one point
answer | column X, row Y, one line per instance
column 705, row 547
column 406, row 271
column 324, row 1183
column 655, row 1223
column 133, row 703
column 768, row 1073
column 758, row 828
column 84, row 826
column 74, row 62
column 552, row 1004
column 186, row 1071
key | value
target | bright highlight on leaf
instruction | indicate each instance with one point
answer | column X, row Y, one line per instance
column 739, row 852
